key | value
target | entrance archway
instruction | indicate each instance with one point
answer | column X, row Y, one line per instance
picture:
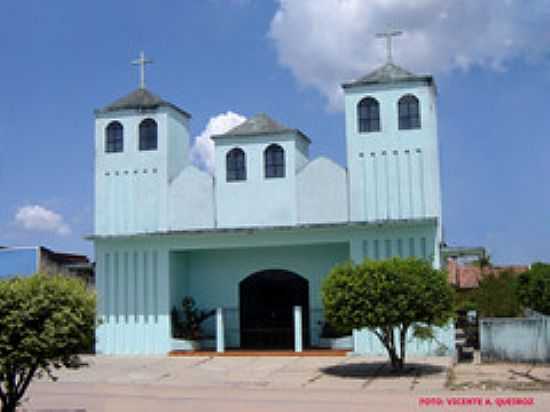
column 266, row 300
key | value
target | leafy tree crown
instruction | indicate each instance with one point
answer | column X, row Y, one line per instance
column 534, row 288
column 388, row 293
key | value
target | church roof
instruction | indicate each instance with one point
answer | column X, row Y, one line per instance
column 388, row 73
column 263, row 229
column 140, row 99
column 260, row 124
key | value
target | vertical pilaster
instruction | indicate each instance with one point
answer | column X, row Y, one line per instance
column 163, row 327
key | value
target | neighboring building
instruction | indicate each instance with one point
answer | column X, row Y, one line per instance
column 25, row 261
column 468, row 275
column 260, row 235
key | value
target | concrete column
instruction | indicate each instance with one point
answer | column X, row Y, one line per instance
column 220, row 338
column 298, row 344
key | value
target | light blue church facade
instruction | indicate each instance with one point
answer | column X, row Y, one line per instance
column 258, row 237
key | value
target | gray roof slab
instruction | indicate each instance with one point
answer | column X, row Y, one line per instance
column 140, row 99
column 388, row 73
column 259, row 124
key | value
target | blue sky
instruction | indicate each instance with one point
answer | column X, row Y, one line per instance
column 491, row 60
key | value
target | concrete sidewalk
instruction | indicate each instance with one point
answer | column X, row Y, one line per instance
column 250, row 384
column 347, row 373
column 51, row 397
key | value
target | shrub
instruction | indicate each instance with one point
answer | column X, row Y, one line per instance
column 44, row 322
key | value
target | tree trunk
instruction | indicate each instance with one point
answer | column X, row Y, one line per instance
column 402, row 344
column 388, row 340
column 15, row 389
column 10, row 392
column 392, row 352
column 398, row 359
column 393, row 358
column 10, row 406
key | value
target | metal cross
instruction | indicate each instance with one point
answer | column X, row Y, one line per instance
column 388, row 36
column 142, row 61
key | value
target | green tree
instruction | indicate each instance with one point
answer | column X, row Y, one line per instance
column 388, row 297
column 534, row 288
column 45, row 321
column 484, row 263
column 496, row 295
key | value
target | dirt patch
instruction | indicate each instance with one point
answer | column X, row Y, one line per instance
column 499, row 377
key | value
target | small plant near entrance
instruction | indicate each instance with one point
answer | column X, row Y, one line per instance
column 45, row 321
column 186, row 324
column 388, row 297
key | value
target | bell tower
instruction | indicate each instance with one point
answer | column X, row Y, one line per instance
column 141, row 144
column 392, row 145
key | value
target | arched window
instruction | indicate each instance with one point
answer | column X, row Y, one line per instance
column 114, row 139
column 409, row 112
column 274, row 161
column 235, row 163
column 148, row 135
column 368, row 115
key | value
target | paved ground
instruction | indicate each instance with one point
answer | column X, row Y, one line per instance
column 262, row 372
column 259, row 384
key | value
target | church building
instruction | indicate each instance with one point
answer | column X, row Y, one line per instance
column 258, row 236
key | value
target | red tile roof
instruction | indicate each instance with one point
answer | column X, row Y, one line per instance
column 468, row 276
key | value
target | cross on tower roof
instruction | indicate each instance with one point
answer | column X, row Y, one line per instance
column 388, row 36
column 141, row 61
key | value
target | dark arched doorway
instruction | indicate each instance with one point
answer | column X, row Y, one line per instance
column 266, row 301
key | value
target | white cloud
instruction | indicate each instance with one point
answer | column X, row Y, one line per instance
column 326, row 42
column 202, row 152
column 35, row 217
